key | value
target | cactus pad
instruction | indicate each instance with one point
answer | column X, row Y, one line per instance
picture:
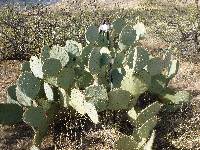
column 10, row 113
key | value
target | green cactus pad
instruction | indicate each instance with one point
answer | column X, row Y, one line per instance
column 145, row 130
column 94, row 61
column 104, row 59
column 117, row 77
column 155, row 66
column 118, row 25
column 182, row 97
column 97, row 95
column 138, row 59
column 39, row 135
column 102, row 40
column 49, row 92
column 118, row 99
column 136, row 84
column 158, row 84
column 91, row 112
column 51, row 67
column 133, row 114
column 122, row 46
column 29, row 84
column 51, row 80
column 91, row 34
column 35, row 117
column 149, row 112
column 84, row 80
column 11, row 95
column 127, row 36
column 22, row 98
column 36, row 67
column 100, row 104
column 149, row 144
column 74, row 48
column 45, row 53
column 44, row 103
column 167, row 59
column 97, row 92
column 25, row 66
column 118, row 61
column 86, row 54
column 173, row 69
column 64, row 97
column 34, row 148
column 103, row 78
column 10, row 113
column 77, row 101
column 126, row 143
column 66, row 78
column 179, row 98
column 60, row 53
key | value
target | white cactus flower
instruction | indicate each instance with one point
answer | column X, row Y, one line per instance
column 104, row 27
column 140, row 30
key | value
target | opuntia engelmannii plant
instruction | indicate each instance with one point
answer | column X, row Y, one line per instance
column 109, row 73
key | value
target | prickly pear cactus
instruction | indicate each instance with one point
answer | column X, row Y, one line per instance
column 109, row 74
